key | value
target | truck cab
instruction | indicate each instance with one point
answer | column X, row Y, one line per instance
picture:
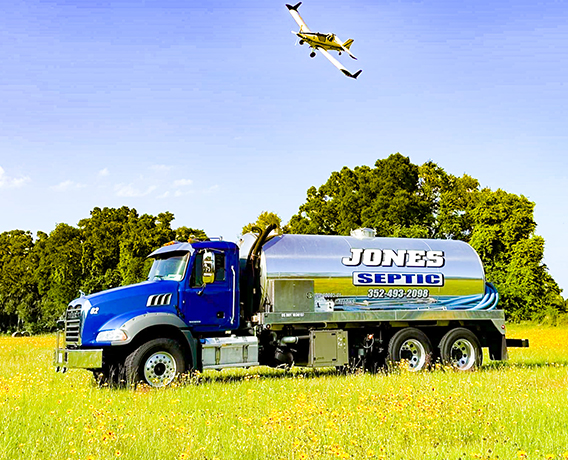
column 154, row 330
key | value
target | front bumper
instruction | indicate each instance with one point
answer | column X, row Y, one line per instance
column 81, row 359
column 69, row 358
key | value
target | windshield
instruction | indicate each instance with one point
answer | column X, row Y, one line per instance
column 172, row 268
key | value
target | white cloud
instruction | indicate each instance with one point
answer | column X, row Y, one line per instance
column 164, row 195
column 182, row 182
column 11, row 182
column 212, row 189
column 67, row 185
column 127, row 190
column 104, row 172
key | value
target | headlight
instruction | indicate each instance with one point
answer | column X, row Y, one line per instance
column 114, row 335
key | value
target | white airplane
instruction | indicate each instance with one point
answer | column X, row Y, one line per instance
column 322, row 42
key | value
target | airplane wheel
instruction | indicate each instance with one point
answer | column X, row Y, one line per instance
column 340, row 53
column 301, row 42
column 312, row 55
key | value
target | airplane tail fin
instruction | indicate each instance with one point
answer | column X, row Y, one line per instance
column 346, row 47
column 348, row 43
column 295, row 7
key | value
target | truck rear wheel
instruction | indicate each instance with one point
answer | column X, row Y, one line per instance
column 412, row 346
column 156, row 363
column 460, row 348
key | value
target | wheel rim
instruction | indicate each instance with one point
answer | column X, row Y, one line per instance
column 414, row 353
column 462, row 354
column 160, row 369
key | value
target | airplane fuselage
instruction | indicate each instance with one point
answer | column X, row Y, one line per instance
column 319, row 40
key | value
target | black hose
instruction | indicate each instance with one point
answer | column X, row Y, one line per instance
column 250, row 286
column 257, row 246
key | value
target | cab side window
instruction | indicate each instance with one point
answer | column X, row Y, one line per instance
column 197, row 272
column 219, row 266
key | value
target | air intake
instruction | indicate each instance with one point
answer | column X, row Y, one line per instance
column 159, row 300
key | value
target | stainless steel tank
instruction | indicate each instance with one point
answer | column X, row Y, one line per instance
column 329, row 273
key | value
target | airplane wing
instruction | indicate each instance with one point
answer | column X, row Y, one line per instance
column 293, row 9
column 338, row 64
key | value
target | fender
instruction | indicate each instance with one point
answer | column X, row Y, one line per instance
column 136, row 325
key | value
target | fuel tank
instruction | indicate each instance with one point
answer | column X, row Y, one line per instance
column 328, row 273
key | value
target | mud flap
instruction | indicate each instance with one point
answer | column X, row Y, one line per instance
column 498, row 349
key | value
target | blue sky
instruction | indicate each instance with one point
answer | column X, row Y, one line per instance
column 208, row 110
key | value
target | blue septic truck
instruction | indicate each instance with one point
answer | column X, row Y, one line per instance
column 280, row 300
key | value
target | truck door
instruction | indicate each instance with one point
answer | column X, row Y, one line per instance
column 209, row 301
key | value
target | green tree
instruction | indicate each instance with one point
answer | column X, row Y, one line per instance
column 384, row 198
column 140, row 236
column 500, row 220
column 58, row 273
column 39, row 278
column 397, row 198
column 18, row 290
column 264, row 219
column 503, row 236
column 189, row 234
column 525, row 285
column 451, row 201
column 101, row 247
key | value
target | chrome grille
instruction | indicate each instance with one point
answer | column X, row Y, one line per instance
column 73, row 325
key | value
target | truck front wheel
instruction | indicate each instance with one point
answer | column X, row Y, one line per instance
column 412, row 346
column 156, row 363
column 461, row 349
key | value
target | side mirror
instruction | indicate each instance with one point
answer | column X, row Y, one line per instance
column 208, row 267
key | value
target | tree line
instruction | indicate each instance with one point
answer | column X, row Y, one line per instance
column 39, row 276
column 400, row 199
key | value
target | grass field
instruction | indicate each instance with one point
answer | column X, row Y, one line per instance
column 517, row 410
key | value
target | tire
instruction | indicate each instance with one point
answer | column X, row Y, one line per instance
column 460, row 348
column 156, row 363
column 412, row 345
column 112, row 374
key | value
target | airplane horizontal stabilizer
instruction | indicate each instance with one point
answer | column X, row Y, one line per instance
column 352, row 75
column 348, row 43
column 293, row 10
column 295, row 7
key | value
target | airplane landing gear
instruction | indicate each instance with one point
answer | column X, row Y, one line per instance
column 301, row 42
column 313, row 54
